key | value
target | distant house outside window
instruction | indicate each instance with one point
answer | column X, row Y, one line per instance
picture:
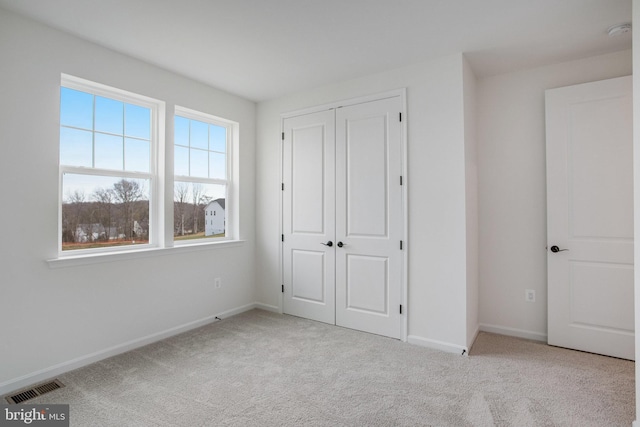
column 216, row 224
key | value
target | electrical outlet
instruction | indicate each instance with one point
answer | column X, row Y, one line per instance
column 217, row 283
column 530, row 295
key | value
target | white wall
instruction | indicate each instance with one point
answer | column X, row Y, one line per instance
column 636, row 189
column 512, row 189
column 471, row 200
column 53, row 317
column 436, row 179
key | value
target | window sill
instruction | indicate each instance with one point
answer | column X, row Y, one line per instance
column 95, row 258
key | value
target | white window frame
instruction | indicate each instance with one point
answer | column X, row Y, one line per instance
column 156, row 174
column 228, row 182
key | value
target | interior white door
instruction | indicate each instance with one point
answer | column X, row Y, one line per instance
column 590, row 217
column 309, row 216
column 369, row 223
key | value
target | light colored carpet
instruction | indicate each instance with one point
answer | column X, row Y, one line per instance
column 265, row 369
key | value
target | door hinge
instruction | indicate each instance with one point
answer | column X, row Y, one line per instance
column 283, row 186
column 400, row 116
column 283, row 289
column 283, row 136
column 400, row 244
column 282, row 237
column 400, row 179
column 400, row 308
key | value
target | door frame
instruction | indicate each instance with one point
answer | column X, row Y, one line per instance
column 402, row 93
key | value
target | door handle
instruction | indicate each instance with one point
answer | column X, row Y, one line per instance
column 556, row 249
column 329, row 243
column 340, row 244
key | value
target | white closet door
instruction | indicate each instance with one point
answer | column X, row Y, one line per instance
column 309, row 216
column 369, row 222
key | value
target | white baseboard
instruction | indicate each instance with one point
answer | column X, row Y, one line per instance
column 636, row 423
column 45, row 374
column 475, row 336
column 513, row 332
column 437, row 345
column 267, row 307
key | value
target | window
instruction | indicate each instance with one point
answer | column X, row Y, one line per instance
column 109, row 172
column 113, row 187
column 202, row 174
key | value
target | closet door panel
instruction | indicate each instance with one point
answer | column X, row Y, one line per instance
column 365, row 177
column 369, row 222
column 309, row 216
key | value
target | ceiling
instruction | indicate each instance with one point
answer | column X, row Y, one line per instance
column 263, row 49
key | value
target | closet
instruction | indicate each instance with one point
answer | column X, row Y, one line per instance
column 343, row 215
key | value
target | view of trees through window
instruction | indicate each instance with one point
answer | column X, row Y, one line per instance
column 110, row 170
column 104, row 212
column 200, row 168
column 105, row 159
column 107, row 212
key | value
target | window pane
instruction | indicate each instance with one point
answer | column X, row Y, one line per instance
column 181, row 131
column 109, row 152
column 76, row 147
column 76, row 108
column 109, row 115
column 199, row 135
column 218, row 165
column 136, row 155
column 137, row 121
column 101, row 211
column 181, row 161
column 199, row 210
column 217, row 138
column 199, row 164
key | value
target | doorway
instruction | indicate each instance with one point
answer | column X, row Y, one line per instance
column 590, row 217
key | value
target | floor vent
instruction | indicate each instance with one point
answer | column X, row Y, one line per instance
column 33, row 392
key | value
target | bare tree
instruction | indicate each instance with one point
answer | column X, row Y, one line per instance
column 127, row 192
column 72, row 215
column 196, row 193
column 105, row 198
column 180, row 197
column 199, row 198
